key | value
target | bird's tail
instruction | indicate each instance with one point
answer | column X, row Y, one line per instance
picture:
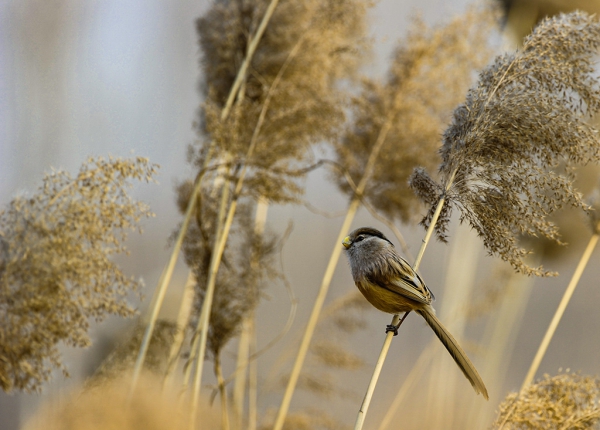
column 460, row 357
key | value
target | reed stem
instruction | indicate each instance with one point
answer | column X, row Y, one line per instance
column 333, row 260
column 535, row 364
column 362, row 413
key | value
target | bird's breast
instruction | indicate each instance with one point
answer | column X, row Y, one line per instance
column 386, row 300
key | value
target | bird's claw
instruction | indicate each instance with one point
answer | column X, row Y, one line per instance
column 393, row 328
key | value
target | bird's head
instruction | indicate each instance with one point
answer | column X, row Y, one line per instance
column 365, row 237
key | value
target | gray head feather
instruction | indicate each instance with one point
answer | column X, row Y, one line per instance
column 368, row 251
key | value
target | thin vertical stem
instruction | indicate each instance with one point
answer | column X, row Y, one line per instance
column 223, row 394
column 251, row 48
column 201, row 333
column 415, row 372
column 434, row 220
column 223, row 234
column 240, row 77
column 554, row 323
column 362, row 413
column 560, row 311
column 260, row 219
column 252, row 381
column 239, row 386
column 333, row 260
column 182, row 319
column 314, row 317
column 162, row 288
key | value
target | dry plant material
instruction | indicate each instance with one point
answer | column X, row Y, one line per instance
column 250, row 263
column 507, row 156
column 291, row 99
column 312, row 45
column 429, row 74
column 566, row 401
column 122, row 359
column 56, row 270
column 103, row 407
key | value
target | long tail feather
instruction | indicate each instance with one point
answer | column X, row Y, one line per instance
column 457, row 353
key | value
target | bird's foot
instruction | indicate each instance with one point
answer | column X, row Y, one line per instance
column 393, row 328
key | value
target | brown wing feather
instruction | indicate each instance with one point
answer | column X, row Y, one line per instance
column 405, row 282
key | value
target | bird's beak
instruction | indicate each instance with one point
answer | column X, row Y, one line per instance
column 347, row 242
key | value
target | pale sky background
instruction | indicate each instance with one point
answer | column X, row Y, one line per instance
column 119, row 77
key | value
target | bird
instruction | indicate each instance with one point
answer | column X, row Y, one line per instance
column 391, row 285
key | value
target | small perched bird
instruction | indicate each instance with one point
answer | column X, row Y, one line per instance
column 390, row 284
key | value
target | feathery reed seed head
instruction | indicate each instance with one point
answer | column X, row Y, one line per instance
column 294, row 80
column 565, row 401
column 55, row 267
column 429, row 74
column 506, row 156
column 109, row 406
column 249, row 265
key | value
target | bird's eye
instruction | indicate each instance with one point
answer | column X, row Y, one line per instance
column 359, row 238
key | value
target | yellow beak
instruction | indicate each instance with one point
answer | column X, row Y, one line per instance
column 347, row 242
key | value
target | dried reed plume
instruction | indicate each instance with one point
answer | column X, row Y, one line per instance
column 376, row 112
column 249, row 265
column 308, row 47
column 429, row 74
column 55, row 266
column 565, row 401
column 506, row 157
column 102, row 407
column 291, row 98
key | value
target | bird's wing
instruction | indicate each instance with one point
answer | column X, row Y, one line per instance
column 407, row 282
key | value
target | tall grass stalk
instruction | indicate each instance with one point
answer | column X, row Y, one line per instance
column 239, row 387
column 219, row 247
column 201, row 332
column 198, row 349
column 560, row 310
column 501, row 333
column 326, row 282
column 203, row 318
column 413, row 376
column 241, row 74
column 224, row 188
column 362, row 412
column 183, row 317
column 222, row 394
column 254, row 40
column 585, row 257
column 162, row 289
column 252, row 380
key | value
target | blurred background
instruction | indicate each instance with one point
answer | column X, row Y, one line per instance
column 120, row 78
